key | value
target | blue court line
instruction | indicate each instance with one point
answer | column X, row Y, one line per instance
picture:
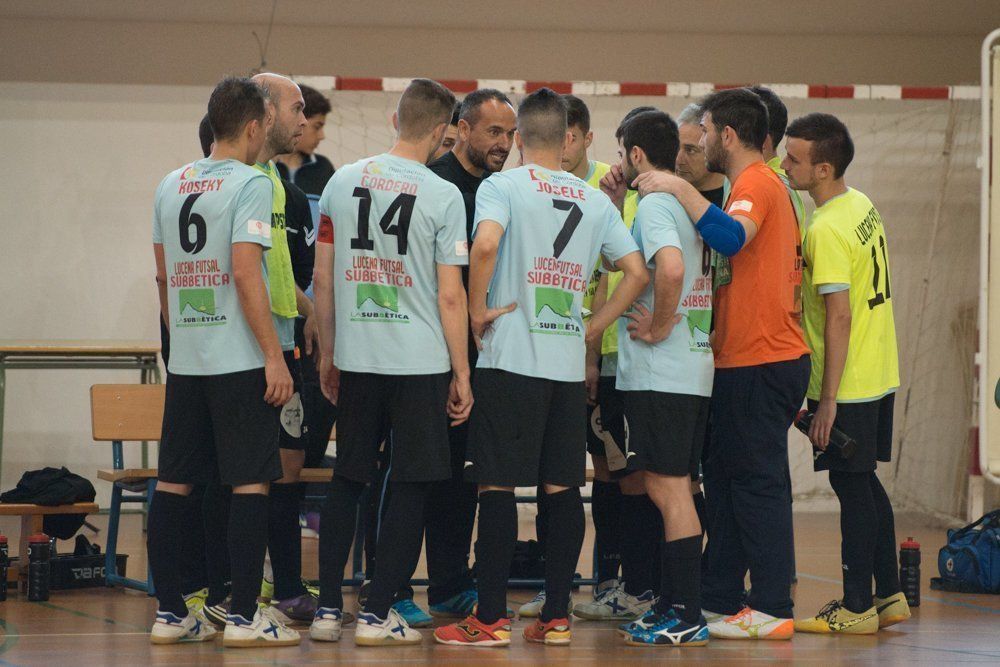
column 931, row 598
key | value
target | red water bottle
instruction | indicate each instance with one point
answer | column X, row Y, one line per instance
column 909, row 571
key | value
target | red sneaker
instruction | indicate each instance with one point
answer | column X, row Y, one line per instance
column 554, row 633
column 473, row 632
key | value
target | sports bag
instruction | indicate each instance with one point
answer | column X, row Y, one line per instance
column 970, row 561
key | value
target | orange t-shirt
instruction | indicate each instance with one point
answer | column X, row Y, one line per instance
column 758, row 314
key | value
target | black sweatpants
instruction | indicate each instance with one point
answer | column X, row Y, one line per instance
column 748, row 489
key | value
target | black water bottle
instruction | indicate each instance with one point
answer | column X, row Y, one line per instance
column 39, row 567
column 909, row 571
column 4, row 564
column 841, row 445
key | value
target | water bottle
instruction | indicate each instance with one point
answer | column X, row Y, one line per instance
column 841, row 445
column 909, row 571
column 4, row 564
column 39, row 567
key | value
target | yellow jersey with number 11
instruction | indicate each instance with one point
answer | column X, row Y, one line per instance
column 845, row 245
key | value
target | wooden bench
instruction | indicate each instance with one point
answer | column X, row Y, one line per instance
column 134, row 413
column 32, row 517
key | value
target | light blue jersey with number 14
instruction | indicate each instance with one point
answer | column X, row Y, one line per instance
column 555, row 227
column 393, row 221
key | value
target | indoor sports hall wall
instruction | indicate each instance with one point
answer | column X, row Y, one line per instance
column 77, row 262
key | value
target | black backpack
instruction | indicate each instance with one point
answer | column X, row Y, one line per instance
column 53, row 486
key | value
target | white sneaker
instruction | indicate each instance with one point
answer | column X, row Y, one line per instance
column 326, row 625
column 533, row 608
column 615, row 605
column 750, row 624
column 711, row 616
column 169, row 629
column 393, row 631
column 604, row 587
column 265, row 630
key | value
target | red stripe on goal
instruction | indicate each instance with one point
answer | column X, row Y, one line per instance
column 352, row 83
column 561, row 87
column 925, row 93
column 840, row 92
column 635, row 88
column 459, row 85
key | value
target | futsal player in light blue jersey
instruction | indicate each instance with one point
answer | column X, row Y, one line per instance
column 539, row 232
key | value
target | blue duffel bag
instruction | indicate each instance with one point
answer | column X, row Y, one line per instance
column 970, row 561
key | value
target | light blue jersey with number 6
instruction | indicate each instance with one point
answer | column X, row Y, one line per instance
column 200, row 211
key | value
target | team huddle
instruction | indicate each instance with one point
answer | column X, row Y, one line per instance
column 481, row 329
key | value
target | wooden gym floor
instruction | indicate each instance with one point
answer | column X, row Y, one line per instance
column 109, row 626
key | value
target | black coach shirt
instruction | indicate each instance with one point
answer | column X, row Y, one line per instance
column 450, row 169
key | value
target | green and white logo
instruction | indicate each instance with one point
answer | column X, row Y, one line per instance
column 558, row 301
column 554, row 312
column 700, row 320
column 377, row 303
column 196, row 308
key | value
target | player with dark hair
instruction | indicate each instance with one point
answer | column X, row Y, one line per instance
column 850, row 329
column 606, row 497
column 227, row 377
column 539, row 231
column 451, row 136
column 777, row 120
column 388, row 282
column 665, row 372
column 761, row 371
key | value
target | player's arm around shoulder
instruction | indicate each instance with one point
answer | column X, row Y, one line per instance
column 251, row 235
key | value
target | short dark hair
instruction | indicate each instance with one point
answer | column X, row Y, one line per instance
column 316, row 102
column 235, row 102
column 629, row 116
column 740, row 109
column 455, row 114
column 423, row 106
column 541, row 118
column 777, row 113
column 831, row 142
column 577, row 113
column 469, row 111
column 205, row 135
column 656, row 134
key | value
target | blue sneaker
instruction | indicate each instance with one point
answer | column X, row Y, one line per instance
column 457, row 606
column 414, row 616
column 655, row 629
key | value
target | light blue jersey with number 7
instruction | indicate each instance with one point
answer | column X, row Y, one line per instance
column 555, row 227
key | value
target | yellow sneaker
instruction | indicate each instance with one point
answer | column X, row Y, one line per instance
column 837, row 619
column 892, row 610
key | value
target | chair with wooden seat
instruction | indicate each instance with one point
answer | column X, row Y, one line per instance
column 126, row 413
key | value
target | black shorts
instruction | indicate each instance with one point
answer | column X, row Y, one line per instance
column 666, row 432
column 870, row 424
column 217, row 428
column 526, row 431
column 410, row 411
column 606, row 426
column 293, row 425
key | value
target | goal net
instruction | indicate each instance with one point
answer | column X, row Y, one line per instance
column 916, row 159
